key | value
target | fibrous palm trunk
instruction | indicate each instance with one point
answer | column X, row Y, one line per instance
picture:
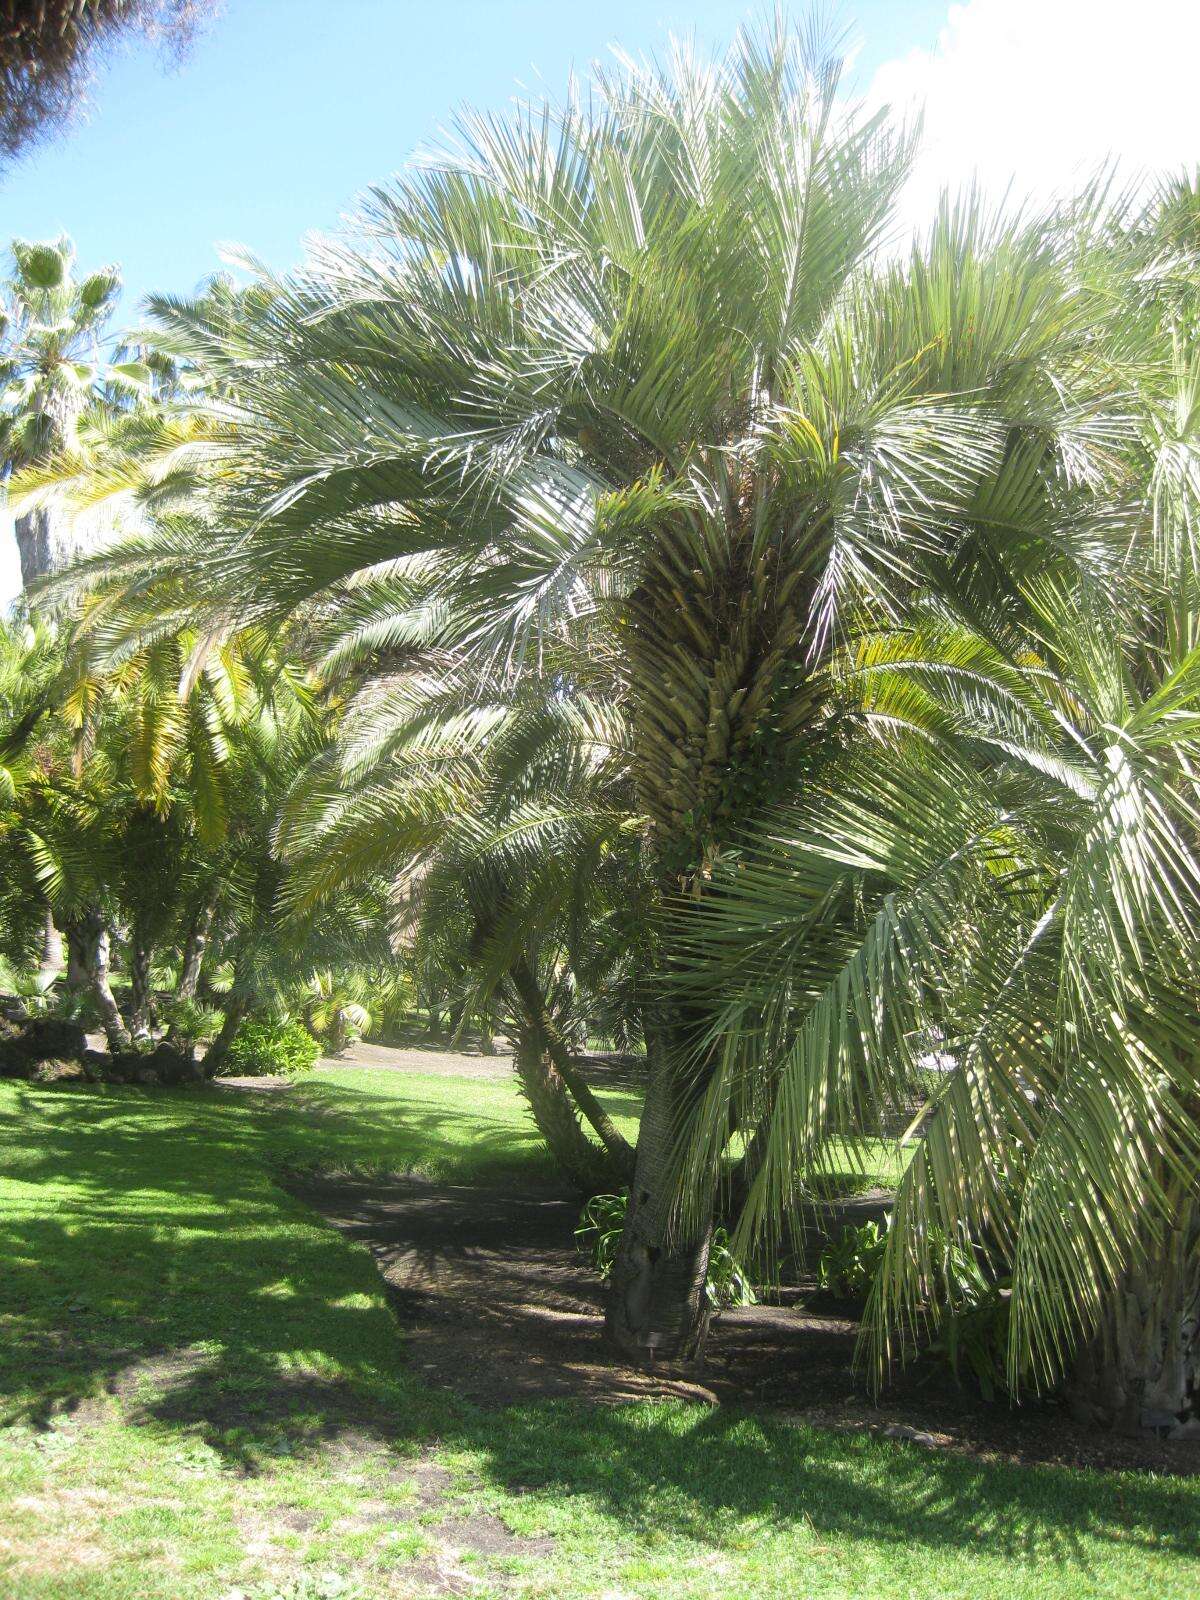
column 587, row 1167
column 141, row 998
column 87, row 967
column 235, row 1011
column 50, row 958
column 34, row 545
column 1142, row 1370
column 531, row 1004
column 712, row 628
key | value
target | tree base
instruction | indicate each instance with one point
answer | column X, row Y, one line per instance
column 658, row 1309
column 1141, row 1373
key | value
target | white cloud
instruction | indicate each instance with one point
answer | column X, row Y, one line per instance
column 1039, row 94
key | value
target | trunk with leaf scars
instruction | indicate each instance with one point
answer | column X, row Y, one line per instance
column 717, row 694
column 141, row 998
column 540, row 1026
column 236, row 1009
column 1142, row 1370
column 34, row 545
column 87, row 947
column 657, row 1305
column 50, row 958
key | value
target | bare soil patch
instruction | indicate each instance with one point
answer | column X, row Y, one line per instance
column 498, row 1306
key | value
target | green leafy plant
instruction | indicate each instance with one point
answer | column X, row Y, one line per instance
column 599, row 1230
column 263, row 1048
column 35, row 990
column 41, row 997
column 848, row 1264
column 974, row 1333
column 975, row 1338
column 973, row 1303
column 334, row 1009
column 727, row 1283
column 189, row 1020
column 599, row 1233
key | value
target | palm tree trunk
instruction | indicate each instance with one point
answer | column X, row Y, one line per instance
column 589, row 1168
column 141, row 999
column 235, row 1010
column 50, row 961
column 87, row 952
column 34, row 545
column 1143, row 1368
column 533, row 1006
column 193, row 952
column 657, row 1307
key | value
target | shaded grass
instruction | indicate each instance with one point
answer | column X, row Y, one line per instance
column 205, row 1391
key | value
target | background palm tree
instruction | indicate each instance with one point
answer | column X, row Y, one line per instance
column 54, row 378
column 501, row 832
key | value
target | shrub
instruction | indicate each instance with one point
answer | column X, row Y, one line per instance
column 262, row 1048
column 847, row 1266
column 190, row 1020
column 974, row 1302
column 599, row 1233
column 41, row 995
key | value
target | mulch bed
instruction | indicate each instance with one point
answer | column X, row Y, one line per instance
column 498, row 1306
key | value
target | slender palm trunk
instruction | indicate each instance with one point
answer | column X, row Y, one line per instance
column 1143, row 1368
column 50, row 959
column 194, row 947
column 487, row 1033
column 235, row 1010
column 87, row 967
column 141, row 997
column 433, row 1011
column 585, row 1164
column 533, row 1005
column 34, row 545
column 657, row 1307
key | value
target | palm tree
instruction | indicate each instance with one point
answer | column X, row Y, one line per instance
column 54, row 379
column 30, row 665
column 502, row 837
column 622, row 388
column 1010, row 869
column 1013, row 874
column 334, row 1009
column 45, row 53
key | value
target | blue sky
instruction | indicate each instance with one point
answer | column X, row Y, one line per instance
column 286, row 109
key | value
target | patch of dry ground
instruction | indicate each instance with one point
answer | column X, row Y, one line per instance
column 498, row 1306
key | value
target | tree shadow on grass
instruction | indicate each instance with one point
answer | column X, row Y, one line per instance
column 707, row 1474
column 140, row 1224
column 148, row 1257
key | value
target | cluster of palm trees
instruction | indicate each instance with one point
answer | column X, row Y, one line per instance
column 741, row 631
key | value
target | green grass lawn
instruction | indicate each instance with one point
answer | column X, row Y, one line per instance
column 205, row 1396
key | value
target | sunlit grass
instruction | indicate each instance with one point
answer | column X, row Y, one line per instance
column 205, row 1392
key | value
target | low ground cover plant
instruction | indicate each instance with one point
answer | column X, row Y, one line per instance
column 599, row 1233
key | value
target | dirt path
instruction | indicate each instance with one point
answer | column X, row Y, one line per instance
column 403, row 1058
column 604, row 1072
